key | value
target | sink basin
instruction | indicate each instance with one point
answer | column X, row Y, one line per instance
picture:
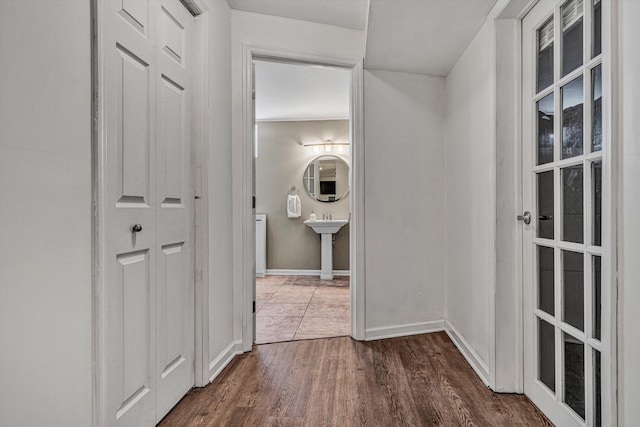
column 326, row 226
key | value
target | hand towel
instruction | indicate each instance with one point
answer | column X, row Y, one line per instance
column 294, row 207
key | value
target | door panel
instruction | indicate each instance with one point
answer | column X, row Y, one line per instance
column 136, row 12
column 175, row 309
column 133, row 160
column 149, row 295
column 134, row 314
column 171, row 340
column 129, row 188
column 562, row 289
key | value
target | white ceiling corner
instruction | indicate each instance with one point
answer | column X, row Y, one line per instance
column 422, row 36
column 341, row 13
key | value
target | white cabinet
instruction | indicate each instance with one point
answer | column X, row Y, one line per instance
column 261, row 245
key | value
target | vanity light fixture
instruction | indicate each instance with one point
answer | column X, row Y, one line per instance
column 328, row 146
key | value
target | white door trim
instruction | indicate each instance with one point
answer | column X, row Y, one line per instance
column 506, row 351
column 200, row 156
column 243, row 221
column 610, row 153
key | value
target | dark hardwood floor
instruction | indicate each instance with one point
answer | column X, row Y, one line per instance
column 420, row 380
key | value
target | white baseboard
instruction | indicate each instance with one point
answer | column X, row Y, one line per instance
column 474, row 359
column 403, row 330
column 222, row 360
column 285, row 272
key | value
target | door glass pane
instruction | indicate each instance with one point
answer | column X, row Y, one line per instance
column 545, row 129
column 546, row 354
column 572, row 118
column 597, row 384
column 596, row 108
column 571, row 36
column 596, row 184
column 572, row 204
column 574, row 373
column 573, row 288
column 597, row 28
column 597, row 297
column 545, row 205
column 545, row 55
column 545, row 279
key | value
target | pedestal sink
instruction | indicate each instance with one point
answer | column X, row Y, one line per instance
column 326, row 228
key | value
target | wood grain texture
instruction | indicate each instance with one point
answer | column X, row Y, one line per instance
column 421, row 380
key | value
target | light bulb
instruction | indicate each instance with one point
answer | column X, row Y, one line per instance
column 316, row 149
column 327, row 148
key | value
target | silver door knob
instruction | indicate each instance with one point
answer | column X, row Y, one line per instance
column 136, row 228
column 525, row 217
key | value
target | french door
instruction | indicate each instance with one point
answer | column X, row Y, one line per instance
column 563, row 190
column 147, row 209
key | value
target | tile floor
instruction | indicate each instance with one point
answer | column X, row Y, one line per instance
column 301, row 307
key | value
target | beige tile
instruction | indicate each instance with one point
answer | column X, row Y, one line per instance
column 273, row 280
column 333, row 283
column 325, row 305
column 333, row 291
column 293, row 297
column 276, row 328
column 283, row 309
column 330, row 309
column 267, row 288
column 295, row 288
column 303, row 280
column 314, row 327
column 332, row 298
column 262, row 298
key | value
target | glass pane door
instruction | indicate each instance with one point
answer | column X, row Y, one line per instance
column 562, row 179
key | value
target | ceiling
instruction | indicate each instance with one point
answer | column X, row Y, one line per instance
column 414, row 36
column 342, row 13
column 300, row 92
column 422, row 36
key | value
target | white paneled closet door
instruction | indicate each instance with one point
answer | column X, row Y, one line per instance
column 147, row 210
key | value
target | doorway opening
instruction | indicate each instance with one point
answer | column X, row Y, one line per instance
column 301, row 179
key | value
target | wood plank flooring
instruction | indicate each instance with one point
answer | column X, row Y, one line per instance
column 420, row 380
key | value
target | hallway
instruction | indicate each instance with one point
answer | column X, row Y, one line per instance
column 416, row 380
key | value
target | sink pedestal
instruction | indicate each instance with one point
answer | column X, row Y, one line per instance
column 327, row 256
column 326, row 229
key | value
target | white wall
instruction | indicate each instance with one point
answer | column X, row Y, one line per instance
column 629, row 226
column 404, row 203
column 470, row 160
column 45, row 214
column 218, row 195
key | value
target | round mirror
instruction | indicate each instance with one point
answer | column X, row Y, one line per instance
column 326, row 179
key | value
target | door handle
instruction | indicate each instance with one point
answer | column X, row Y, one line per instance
column 525, row 217
column 136, row 228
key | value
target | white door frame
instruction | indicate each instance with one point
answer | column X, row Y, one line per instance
column 243, row 221
column 515, row 10
column 199, row 139
column 508, row 357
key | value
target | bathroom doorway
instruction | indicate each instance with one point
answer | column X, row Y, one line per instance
column 302, row 158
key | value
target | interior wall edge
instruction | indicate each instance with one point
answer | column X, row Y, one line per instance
column 405, row 330
column 218, row 363
column 479, row 366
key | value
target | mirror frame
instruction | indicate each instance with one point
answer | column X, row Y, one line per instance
column 305, row 178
